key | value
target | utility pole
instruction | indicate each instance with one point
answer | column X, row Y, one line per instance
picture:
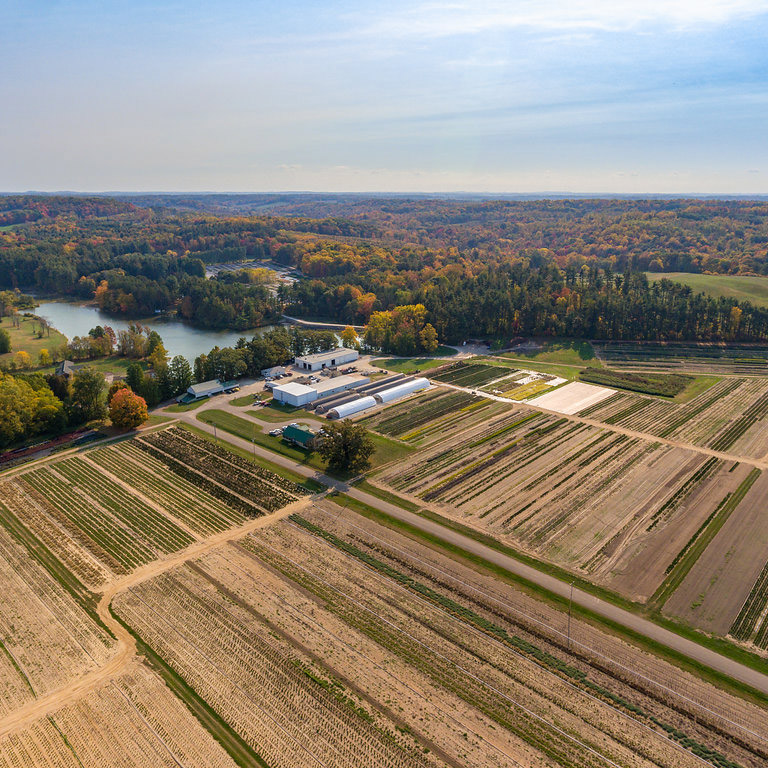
column 570, row 603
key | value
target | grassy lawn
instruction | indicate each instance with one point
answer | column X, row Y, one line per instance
column 570, row 372
column 408, row 365
column 558, row 351
column 741, row 287
column 311, row 485
column 277, row 413
column 157, row 418
column 695, row 388
column 388, row 496
column 243, row 401
column 182, row 407
column 24, row 338
column 386, row 450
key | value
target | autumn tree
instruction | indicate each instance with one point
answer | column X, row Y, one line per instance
column 346, row 446
column 127, row 410
column 349, row 338
column 428, row 338
column 44, row 358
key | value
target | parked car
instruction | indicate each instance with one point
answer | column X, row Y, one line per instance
column 275, row 432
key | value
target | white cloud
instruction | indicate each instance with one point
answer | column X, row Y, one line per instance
column 434, row 20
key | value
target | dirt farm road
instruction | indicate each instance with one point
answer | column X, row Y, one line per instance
column 126, row 646
column 645, row 627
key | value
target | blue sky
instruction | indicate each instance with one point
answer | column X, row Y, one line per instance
column 631, row 96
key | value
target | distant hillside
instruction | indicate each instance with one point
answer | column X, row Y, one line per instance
column 740, row 287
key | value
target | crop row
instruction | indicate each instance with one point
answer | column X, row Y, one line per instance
column 755, row 412
column 469, row 374
column 200, row 511
column 246, row 485
column 413, row 414
column 152, row 526
column 573, row 674
column 444, row 660
column 239, row 462
column 233, row 662
column 124, row 550
column 753, row 609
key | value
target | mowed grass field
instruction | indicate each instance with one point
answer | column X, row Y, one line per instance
column 741, row 287
column 24, row 338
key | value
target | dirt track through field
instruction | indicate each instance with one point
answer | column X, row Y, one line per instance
column 126, row 646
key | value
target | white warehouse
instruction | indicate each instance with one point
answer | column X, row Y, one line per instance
column 294, row 394
column 329, row 359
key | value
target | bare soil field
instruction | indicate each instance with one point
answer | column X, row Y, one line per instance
column 729, row 416
column 132, row 722
column 713, row 592
column 573, row 397
column 616, row 508
column 328, row 640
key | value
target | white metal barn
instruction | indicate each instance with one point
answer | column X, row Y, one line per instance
column 351, row 408
column 339, row 384
column 294, row 394
column 329, row 359
column 401, row 390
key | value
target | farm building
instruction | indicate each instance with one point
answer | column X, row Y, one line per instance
column 338, row 384
column 352, row 407
column 300, row 435
column 294, row 394
column 401, row 390
column 329, row 359
column 206, row 389
column 301, row 394
column 270, row 373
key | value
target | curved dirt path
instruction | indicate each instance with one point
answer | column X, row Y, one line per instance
column 126, row 645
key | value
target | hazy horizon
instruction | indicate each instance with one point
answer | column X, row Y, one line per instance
column 639, row 98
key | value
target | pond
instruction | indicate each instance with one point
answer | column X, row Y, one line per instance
column 178, row 337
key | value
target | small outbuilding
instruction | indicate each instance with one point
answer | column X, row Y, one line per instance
column 330, row 359
column 294, row 394
column 299, row 435
column 271, row 373
column 206, row 389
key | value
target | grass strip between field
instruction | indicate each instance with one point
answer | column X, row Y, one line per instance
column 236, row 747
column 721, row 646
column 692, row 551
column 388, row 496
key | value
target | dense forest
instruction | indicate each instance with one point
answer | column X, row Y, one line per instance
column 481, row 269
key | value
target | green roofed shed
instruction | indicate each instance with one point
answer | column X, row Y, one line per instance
column 300, row 435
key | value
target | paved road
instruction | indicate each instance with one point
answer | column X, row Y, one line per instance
column 645, row 627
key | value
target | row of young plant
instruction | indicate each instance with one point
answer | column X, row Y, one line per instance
column 246, row 485
column 462, row 612
column 112, row 543
column 469, row 374
column 218, row 491
column 755, row 412
column 147, row 523
column 290, row 719
column 201, row 512
column 754, row 607
column 554, row 743
column 415, row 413
column 239, row 462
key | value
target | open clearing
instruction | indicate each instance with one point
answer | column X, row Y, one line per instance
column 740, row 287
